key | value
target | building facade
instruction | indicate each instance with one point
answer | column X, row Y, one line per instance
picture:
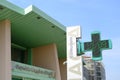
column 100, row 71
column 32, row 44
column 95, row 69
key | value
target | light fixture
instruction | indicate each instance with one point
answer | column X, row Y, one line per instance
column 38, row 17
column 53, row 26
column 65, row 33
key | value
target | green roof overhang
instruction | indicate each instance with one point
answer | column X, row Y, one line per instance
column 31, row 27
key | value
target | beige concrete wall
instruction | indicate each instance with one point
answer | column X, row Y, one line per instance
column 46, row 57
column 63, row 69
column 5, row 50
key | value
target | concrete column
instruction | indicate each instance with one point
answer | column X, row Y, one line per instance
column 63, row 69
column 46, row 57
column 5, row 50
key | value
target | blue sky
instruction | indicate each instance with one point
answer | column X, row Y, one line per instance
column 91, row 15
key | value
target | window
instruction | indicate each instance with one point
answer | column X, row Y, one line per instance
column 92, row 78
column 97, row 68
column 98, row 64
column 99, row 78
column 18, row 55
column 98, row 74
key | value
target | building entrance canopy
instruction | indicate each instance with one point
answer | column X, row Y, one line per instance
column 31, row 27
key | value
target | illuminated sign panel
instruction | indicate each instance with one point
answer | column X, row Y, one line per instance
column 79, row 47
column 96, row 46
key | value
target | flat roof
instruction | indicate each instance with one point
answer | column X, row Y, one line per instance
column 31, row 27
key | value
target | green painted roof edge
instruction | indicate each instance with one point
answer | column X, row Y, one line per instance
column 29, row 9
column 41, row 13
column 12, row 6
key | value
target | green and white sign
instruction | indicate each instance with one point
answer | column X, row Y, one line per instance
column 96, row 46
column 32, row 72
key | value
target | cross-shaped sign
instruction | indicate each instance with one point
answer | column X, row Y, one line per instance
column 96, row 46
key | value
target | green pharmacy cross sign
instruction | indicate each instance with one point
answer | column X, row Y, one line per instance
column 96, row 46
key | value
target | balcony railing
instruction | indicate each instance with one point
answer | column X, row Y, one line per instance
column 32, row 72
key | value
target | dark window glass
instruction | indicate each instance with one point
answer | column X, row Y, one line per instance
column 18, row 55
